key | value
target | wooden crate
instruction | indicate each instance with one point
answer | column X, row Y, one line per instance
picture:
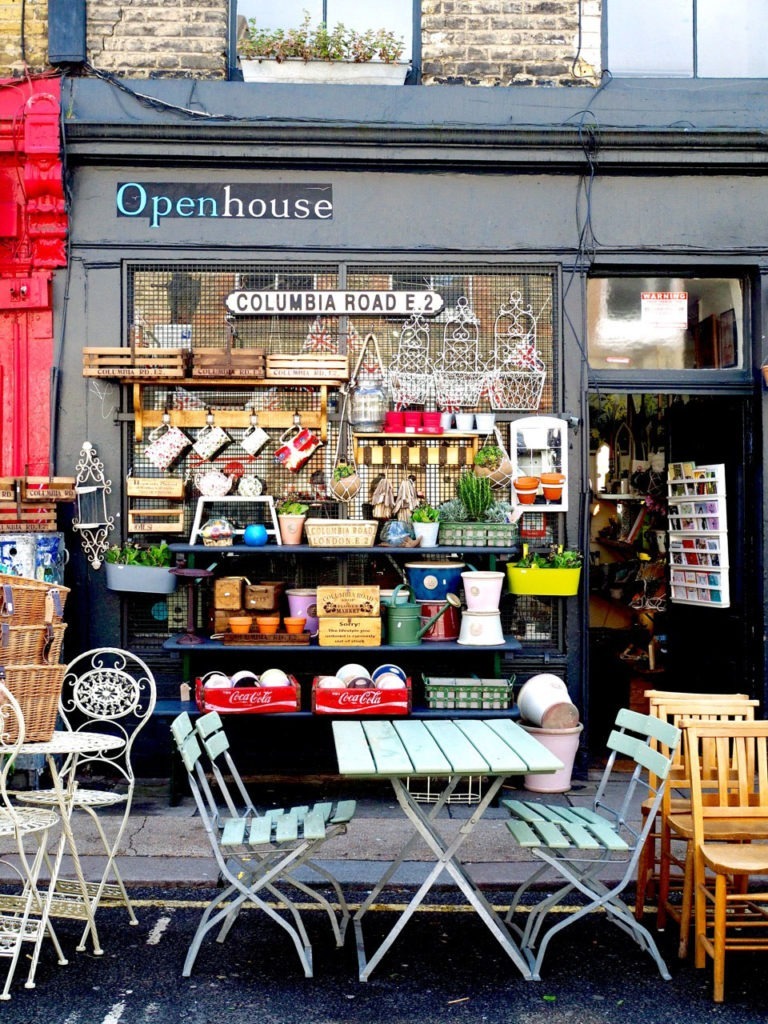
column 155, row 487
column 10, row 488
column 140, row 362
column 224, row 362
column 156, row 520
column 249, row 700
column 27, row 518
column 354, row 701
column 309, row 366
column 361, row 601
column 47, row 488
column 263, row 597
column 340, row 533
column 228, row 592
column 349, row 631
column 254, row 639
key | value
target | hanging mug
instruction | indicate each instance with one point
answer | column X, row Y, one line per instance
column 297, row 446
column 166, row 443
column 210, row 441
column 254, row 440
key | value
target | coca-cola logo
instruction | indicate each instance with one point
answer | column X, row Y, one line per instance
column 249, row 697
column 360, row 698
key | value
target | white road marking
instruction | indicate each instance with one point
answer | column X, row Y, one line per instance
column 115, row 1013
column 157, row 931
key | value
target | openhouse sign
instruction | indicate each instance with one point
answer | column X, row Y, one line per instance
column 156, row 201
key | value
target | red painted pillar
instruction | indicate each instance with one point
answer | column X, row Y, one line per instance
column 33, row 230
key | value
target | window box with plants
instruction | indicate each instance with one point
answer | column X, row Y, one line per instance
column 310, row 55
column 474, row 518
column 555, row 573
column 140, row 569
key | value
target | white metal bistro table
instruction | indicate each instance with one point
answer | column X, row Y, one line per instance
column 70, row 898
column 401, row 749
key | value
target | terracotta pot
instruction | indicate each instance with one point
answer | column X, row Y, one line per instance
column 240, row 623
column 526, row 488
column 294, row 623
column 552, row 485
column 267, row 623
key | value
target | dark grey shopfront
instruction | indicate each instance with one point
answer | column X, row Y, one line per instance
column 507, row 189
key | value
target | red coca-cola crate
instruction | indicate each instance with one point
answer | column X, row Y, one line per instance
column 249, row 700
column 359, row 701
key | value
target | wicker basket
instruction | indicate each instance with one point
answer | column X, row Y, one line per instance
column 37, row 688
column 341, row 533
column 27, row 645
column 29, row 600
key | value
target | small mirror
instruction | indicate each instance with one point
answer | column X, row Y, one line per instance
column 539, row 449
column 91, row 490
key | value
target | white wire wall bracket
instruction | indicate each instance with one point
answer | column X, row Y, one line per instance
column 410, row 371
column 231, row 499
column 91, row 520
column 516, row 375
column 459, row 376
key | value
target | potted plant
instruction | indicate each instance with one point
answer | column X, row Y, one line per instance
column 140, row 568
column 555, row 573
column 290, row 517
column 492, row 461
column 426, row 524
column 307, row 55
column 474, row 517
column 345, row 483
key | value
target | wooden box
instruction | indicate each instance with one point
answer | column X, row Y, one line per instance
column 360, row 601
column 156, row 520
column 340, row 533
column 10, row 488
column 27, row 518
column 308, row 366
column 262, row 597
column 219, row 618
column 249, row 700
column 349, row 631
column 48, row 488
column 228, row 592
column 140, row 362
column 354, row 701
column 172, row 487
column 228, row 362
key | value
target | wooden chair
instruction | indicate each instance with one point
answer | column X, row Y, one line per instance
column 676, row 868
column 729, row 794
column 577, row 843
column 649, row 865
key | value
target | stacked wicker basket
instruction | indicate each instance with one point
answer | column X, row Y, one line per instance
column 31, row 637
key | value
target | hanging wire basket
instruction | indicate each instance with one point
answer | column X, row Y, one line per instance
column 410, row 371
column 459, row 375
column 516, row 375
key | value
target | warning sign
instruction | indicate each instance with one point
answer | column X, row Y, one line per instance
column 664, row 309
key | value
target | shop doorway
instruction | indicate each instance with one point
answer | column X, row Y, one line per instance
column 639, row 637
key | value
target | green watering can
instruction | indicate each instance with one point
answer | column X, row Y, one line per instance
column 404, row 625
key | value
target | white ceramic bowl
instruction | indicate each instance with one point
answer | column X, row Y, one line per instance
column 245, row 678
column 216, row 681
column 330, row 683
column 274, row 677
column 352, row 671
column 388, row 670
column 389, row 681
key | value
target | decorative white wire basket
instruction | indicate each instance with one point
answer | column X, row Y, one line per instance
column 515, row 378
column 459, row 374
column 410, row 370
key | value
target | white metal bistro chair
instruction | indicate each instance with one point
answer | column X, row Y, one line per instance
column 24, row 917
column 256, row 854
column 106, row 690
column 579, row 842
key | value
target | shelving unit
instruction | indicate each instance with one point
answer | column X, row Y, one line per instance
column 698, row 535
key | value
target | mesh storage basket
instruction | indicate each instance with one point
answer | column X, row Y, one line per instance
column 37, row 689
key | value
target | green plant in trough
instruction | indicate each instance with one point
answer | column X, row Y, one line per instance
column 475, row 494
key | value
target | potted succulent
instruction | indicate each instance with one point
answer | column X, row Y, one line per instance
column 555, row 573
column 140, row 568
column 426, row 524
column 290, row 517
column 492, row 461
column 345, row 483
column 474, row 517
column 307, row 55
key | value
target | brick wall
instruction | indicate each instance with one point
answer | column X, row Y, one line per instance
column 162, row 38
column 510, row 42
column 35, row 35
